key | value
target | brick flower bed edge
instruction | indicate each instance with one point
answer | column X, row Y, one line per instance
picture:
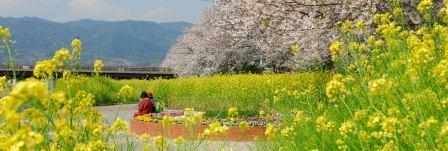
column 234, row 133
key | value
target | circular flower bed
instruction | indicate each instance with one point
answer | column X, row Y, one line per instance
column 179, row 118
column 194, row 124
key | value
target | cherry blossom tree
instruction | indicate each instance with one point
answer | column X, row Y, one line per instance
column 283, row 35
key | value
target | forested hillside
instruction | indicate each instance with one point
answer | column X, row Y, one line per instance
column 132, row 43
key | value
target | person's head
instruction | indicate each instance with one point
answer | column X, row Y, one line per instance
column 144, row 95
column 150, row 95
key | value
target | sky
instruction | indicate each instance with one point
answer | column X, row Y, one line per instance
column 109, row 10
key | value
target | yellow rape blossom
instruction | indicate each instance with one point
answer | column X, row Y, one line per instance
column 295, row 48
column 216, row 129
column 444, row 14
column 98, row 67
column 360, row 115
column 145, row 138
column 63, row 55
column 378, row 86
column 443, row 104
column 389, row 29
column 440, row 72
column 5, row 34
column 298, row 117
column 361, row 26
column 341, row 145
column 346, row 128
column 444, row 130
column 179, row 140
column 347, row 26
column 335, row 49
column 83, row 100
column 270, row 131
column 335, row 88
column 167, row 120
column 424, row 5
column 77, row 46
column 320, row 105
column 323, row 124
column 92, row 145
column 23, row 139
column 425, row 125
column 146, row 118
column 286, row 132
column 160, row 142
column 3, row 84
column 382, row 18
column 371, row 40
column 232, row 113
column 45, row 69
column 398, row 12
column 118, row 126
column 188, row 112
column 262, row 113
column 389, row 126
column 63, row 131
column 391, row 145
column 126, row 92
column 21, row 92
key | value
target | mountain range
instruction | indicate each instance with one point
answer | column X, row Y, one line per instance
column 118, row 43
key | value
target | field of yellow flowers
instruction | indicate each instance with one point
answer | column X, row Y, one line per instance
column 221, row 92
column 389, row 92
column 35, row 117
column 32, row 117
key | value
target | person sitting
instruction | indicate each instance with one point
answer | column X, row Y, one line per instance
column 145, row 106
column 154, row 102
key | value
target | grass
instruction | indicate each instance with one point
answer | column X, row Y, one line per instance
column 104, row 89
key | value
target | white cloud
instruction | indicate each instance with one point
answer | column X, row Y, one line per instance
column 101, row 9
column 96, row 9
column 68, row 10
column 34, row 7
column 153, row 13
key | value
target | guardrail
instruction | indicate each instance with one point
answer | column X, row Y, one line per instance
column 104, row 69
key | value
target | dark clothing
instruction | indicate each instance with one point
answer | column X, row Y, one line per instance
column 154, row 105
column 144, row 107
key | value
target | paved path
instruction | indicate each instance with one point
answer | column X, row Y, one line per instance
column 126, row 113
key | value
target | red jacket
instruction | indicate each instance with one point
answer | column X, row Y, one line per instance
column 144, row 107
